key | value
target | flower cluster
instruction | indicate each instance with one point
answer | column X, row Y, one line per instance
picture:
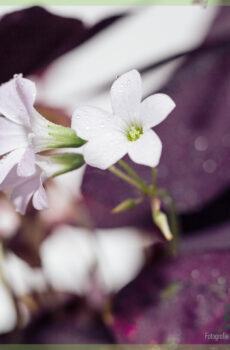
column 24, row 134
column 27, row 139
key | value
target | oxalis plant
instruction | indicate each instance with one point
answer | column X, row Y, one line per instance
column 29, row 144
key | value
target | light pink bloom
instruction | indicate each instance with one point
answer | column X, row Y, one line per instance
column 25, row 188
column 23, row 131
column 128, row 129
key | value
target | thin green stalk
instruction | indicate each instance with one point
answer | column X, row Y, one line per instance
column 173, row 219
column 128, row 179
column 154, row 177
column 132, row 173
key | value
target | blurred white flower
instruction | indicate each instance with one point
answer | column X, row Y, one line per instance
column 22, row 278
column 92, row 263
column 9, row 220
column 23, row 133
column 128, row 129
column 25, row 188
column 8, row 315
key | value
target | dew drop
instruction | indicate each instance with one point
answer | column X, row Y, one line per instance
column 201, row 143
column 195, row 274
column 209, row 166
column 221, row 280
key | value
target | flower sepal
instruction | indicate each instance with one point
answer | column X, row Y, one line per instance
column 58, row 164
column 63, row 137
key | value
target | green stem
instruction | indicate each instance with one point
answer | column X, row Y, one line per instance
column 128, row 179
column 173, row 219
column 132, row 173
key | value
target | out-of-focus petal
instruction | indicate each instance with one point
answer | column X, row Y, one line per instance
column 74, row 245
column 146, row 150
column 8, row 316
column 155, row 108
column 126, row 94
column 22, row 279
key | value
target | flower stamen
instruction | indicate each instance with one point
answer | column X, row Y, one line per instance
column 134, row 132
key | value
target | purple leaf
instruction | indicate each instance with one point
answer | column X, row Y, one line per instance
column 32, row 38
column 176, row 301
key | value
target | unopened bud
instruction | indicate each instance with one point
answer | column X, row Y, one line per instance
column 161, row 220
column 128, row 204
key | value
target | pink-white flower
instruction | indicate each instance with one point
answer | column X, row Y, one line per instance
column 24, row 132
column 128, row 129
column 25, row 188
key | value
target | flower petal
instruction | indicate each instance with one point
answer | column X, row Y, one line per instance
column 154, row 109
column 105, row 151
column 9, row 161
column 12, row 136
column 89, row 122
column 40, row 200
column 146, row 150
column 126, row 94
column 23, row 192
column 47, row 135
column 26, row 166
column 16, row 99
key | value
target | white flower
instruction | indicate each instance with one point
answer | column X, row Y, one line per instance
column 128, row 129
column 23, row 131
column 106, row 259
column 23, row 189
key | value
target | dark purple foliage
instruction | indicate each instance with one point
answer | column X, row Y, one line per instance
column 32, row 38
column 176, row 301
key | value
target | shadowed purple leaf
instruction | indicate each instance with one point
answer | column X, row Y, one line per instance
column 32, row 38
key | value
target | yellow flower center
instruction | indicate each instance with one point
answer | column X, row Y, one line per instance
column 134, row 132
